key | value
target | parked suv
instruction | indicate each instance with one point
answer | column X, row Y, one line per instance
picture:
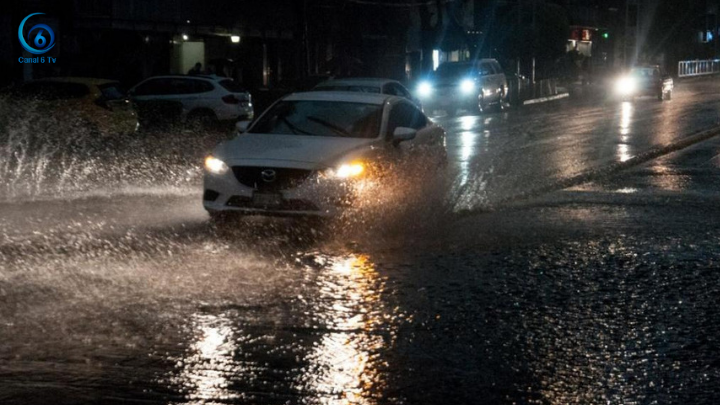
column 472, row 86
column 204, row 99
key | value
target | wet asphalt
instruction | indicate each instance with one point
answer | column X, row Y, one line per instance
column 604, row 292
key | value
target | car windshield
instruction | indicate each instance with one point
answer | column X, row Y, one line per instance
column 644, row 72
column 231, row 85
column 321, row 118
column 452, row 70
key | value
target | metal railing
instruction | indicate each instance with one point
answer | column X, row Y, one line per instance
column 689, row 68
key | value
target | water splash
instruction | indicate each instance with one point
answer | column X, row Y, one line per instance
column 44, row 154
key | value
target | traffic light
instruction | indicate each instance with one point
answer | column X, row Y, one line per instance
column 605, row 35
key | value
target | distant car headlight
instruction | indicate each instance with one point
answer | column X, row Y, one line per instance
column 424, row 89
column 625, row 85
column 345, row 171
column 215, row 165
column 467, row 86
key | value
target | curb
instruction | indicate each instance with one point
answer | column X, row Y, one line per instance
column 546, row 99
column 602, row 171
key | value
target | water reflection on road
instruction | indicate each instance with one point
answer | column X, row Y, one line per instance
column 329, row 354
column 341, row 367
column 206, row 372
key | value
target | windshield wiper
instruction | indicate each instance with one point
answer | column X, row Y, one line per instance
column 333, row 127
column 295, row 130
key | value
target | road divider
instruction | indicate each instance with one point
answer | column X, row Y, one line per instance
column 546, row 99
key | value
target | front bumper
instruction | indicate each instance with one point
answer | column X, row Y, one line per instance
column 446, row 99
column 315, row 196
column 645, row 89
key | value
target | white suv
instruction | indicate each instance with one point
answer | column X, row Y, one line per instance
column 193, row 98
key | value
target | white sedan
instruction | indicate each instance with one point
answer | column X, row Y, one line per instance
column 310, row 153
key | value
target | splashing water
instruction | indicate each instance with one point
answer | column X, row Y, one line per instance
column 45, row 155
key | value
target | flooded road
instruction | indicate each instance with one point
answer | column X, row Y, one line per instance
column 601, row 293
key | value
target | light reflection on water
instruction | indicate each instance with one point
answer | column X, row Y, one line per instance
column 626, row 115
column 329, row 355
column 666, row 178
column 469, row 148
column 623, row 152
column 206, row 370
column 341, row 367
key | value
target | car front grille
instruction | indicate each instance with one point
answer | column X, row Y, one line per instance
column 270, row 178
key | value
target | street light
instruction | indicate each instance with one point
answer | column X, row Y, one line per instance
column 235, row 39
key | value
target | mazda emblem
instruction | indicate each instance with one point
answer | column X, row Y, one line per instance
column 268, row 175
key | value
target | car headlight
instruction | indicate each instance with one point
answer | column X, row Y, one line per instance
column 424, row 89
column 345, row 171
column 467, row 86
column 625, row 85
column 215, row 165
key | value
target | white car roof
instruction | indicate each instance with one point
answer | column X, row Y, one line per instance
column 358, row 81
column 340, row 96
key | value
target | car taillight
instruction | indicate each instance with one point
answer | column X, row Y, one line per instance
column 230, row 99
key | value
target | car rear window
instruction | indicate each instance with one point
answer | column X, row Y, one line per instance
column 231, row 85
column 173, row 85
column 191, row 86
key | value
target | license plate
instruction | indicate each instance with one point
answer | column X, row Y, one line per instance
column 264, row 200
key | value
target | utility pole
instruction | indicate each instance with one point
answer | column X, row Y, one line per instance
column 534, row 34
column 626, row 34
column 306, row 37
column 519, row 27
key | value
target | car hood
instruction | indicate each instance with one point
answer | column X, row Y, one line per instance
column 290, row 150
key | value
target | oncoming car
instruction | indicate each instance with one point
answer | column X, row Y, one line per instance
column 309, row 153
column 471, row 86
column 647, row 80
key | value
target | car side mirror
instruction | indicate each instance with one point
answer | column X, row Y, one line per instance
column 403, row 134
column 242, row 126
